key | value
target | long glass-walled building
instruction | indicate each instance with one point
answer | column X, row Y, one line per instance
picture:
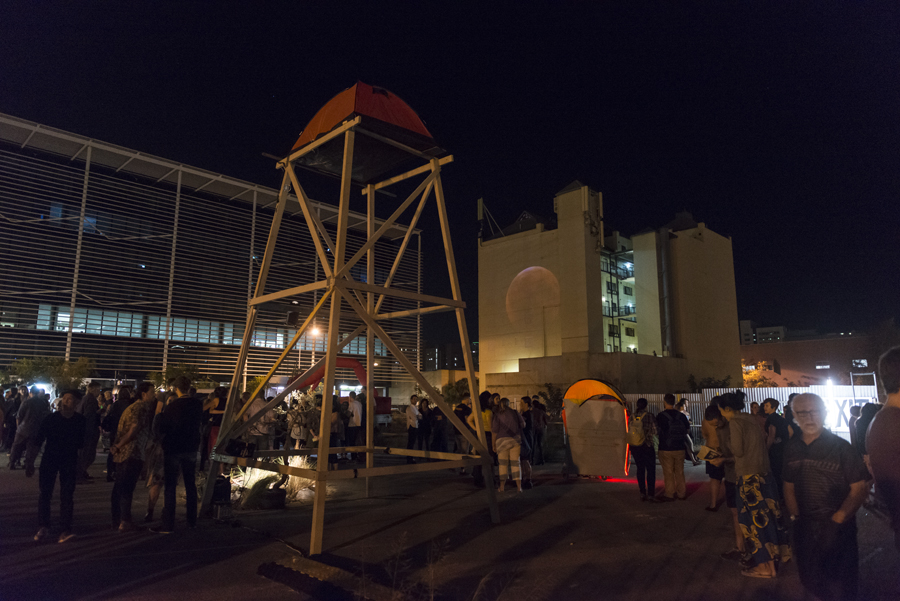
column 138, row 262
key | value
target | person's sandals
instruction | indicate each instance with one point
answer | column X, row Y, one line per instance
column 758, row 572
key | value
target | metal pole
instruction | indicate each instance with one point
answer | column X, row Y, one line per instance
column 172, row 272
column 370, row 336
column 84, row 191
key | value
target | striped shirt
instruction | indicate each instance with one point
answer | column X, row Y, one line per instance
column 822, row 472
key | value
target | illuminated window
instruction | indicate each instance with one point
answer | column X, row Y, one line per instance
column 860, row 363
column 823, row 365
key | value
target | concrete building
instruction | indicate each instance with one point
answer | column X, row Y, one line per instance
column 815, row 359
column 562, row 301
column 138, row 262
column 751, row 334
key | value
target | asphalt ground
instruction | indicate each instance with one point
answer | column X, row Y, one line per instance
column 427, row 536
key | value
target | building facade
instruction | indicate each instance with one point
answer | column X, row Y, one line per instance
column 139, row 262
column 560, row 302
column 816, row 360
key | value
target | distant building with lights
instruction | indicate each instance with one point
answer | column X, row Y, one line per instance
column 140, row 262
column 808, row 358
column 751, row 334
column 561, row 300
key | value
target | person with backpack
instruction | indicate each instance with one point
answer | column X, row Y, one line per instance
column 641, row 440
column 673, row 429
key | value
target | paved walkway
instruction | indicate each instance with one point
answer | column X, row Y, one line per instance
column 564, row 539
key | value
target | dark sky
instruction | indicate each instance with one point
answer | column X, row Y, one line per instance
column 775, row 125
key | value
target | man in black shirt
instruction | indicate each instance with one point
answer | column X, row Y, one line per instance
column 778, row 433
column 673, row 428
column 824, row 486
column 178, row 426
column 64, row 433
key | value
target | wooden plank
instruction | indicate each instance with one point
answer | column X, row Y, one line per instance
column 388, row 224
column 287, row 349
column 412, row 173
column 395, row 144
column 425, row 298
column 276, row 467
column 334, row 321
column 288, row 292
column 318, row 142
column 316, row 229
column 424, row 454
column 244, row 426
column 391, row 470
column 424, row 384
column 464, row 336
column 406, row 238
column 411, row 312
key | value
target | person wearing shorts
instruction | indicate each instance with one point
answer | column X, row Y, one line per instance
column 729, row 481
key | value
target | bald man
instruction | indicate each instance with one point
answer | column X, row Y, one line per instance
column 824, row 486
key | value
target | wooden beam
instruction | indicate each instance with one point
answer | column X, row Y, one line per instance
column 312, row 221
column 235, row 390
column 370, row 335
column 243, row 427
column 411, row 312
column 424, row 384
column 388, row 224
column 334, row 320
column 318, row 142
column 390, row 470
column 404, row 176
column 287, row 349
column 406, row 238
column 395, row 144
column 425, row 298
column 266, row 298
column 463, row 334
column 275, row 467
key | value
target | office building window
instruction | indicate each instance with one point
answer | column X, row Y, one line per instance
column 823, row 365
column 629, row 291
column 629, row 332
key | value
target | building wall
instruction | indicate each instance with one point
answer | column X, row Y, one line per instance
column 704, row 302
column 627, row 371
column 139, row 272
column 518, row 299
column 647, row 291
column 797, row 360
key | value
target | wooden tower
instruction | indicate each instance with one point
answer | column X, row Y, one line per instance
column 360, row 135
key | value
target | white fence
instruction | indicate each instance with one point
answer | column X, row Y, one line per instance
column 838, row 400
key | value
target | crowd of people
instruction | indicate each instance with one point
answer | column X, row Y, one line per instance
column 514, row 431
column 792, row 486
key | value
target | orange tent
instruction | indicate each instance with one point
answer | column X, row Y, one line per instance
column 596, row 424
column 386, row 121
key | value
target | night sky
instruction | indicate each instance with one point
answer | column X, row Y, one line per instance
column 775, row 125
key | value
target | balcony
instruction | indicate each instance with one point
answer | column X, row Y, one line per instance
column 619, row 311
column 620, row 271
